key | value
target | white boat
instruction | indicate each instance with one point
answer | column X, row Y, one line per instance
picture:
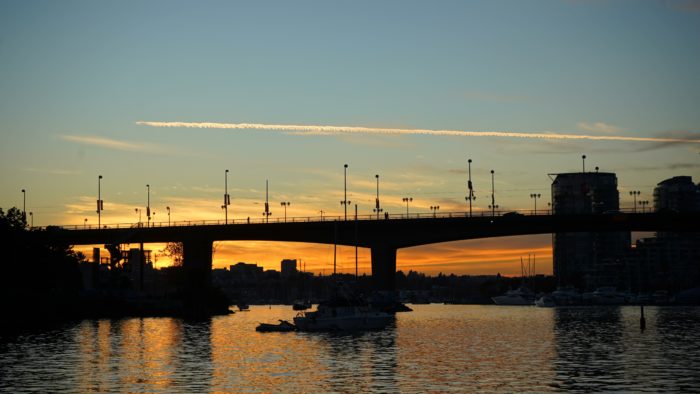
column 301, row 305
column 567, row 295
column 545, row 302
column 519, row 296
column 341, row 315
column 608, row 296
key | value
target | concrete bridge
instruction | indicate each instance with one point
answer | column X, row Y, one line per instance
column 383, row 236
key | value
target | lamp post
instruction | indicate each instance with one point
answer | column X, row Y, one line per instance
column 434, row 209
column 148, row 205
column 535, row 196
column 267, row 212
column 407, row 200
column 470, row 188
column 345, row 201
column 168, row 209
column 31, row 217
column 85, row 224
column 643, row 204
column 377, row 208
column 493, row 205
column 285, row 204
column 227, row 198
column 321, row 214
column 583, row 158
column 99, row 202
column 138, row 210
column 635, row 193
column 24, row 205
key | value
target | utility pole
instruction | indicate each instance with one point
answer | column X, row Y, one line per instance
column 267, row 212
column 100, row 205
column 148, row 206
column 227, row 198
column 377, row 209
column 470, row 188
column 345, row 201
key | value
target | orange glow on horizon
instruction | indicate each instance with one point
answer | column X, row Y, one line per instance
column 472, row 257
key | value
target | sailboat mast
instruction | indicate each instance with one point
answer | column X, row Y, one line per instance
column 355, row 241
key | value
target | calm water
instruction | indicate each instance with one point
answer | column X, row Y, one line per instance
column 435, row 348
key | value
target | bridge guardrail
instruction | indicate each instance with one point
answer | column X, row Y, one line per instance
column 298, row 219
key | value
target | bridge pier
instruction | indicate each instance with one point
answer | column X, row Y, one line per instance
column 383, row 268
column 197, row 262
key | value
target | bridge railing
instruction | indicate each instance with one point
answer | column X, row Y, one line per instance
column 302, row 219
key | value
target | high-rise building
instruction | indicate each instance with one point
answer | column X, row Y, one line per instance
column 671, row 260
column 583, row 259
column 678, row 194
column 288, row 267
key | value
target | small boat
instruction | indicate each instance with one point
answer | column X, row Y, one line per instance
column 545, row 302
column 519, row 296
column 342, row 314
column 301, row 305
column 243, row 307
column 608, row 296
column 282, row 326
column 567, row 295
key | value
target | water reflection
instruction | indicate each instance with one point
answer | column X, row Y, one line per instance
column 435, row 348
column 366, row 361
column 604, row 349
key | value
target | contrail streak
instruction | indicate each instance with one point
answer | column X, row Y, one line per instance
column 333, row 130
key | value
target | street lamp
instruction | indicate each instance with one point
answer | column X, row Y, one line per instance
column 377, row 209
column 407, row 200
column 635, row 193
column 148, row 205
column 24, row 205
column 345, row 201
column 643, row 204
column 434, row 209
column 227, row 198
column 583, row 158
column 31, row 216
column 285, row 204
column 138, row 210
column 85, row 224
column 321, row 214
column 168, row 208
column 535, row 196
column 100, row 206
column 493, row 205
column 267, row 212
column 470, row 188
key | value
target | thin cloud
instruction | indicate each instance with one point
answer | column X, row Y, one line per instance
column 109, row 143
column 315, row 130
column 55, row 171
column 598, row 127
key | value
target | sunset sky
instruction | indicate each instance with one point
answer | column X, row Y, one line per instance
column 172, row 93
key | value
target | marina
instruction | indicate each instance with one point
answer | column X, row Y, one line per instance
column 463, row 348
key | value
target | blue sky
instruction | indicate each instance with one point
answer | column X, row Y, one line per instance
column 76, row 76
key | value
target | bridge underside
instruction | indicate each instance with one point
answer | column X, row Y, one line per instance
column 384, row 268
column 197, row 262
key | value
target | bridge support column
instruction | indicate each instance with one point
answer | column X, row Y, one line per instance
column 197, row 262
column 384, row 268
